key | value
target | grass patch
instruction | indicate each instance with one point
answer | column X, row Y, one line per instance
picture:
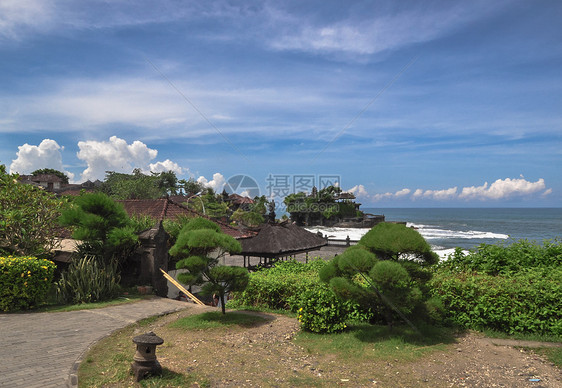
column 553, row 355
column 364, row 341
column 215, row 319
column 261, row 309
column 172, row 379
column 108, row 363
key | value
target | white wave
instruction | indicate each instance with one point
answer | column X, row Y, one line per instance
column 444, row 253
column 354, row 234
column 433, row 233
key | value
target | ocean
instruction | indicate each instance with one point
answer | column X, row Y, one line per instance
column 447, row 228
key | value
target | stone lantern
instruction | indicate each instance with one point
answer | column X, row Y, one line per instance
column 145, row 362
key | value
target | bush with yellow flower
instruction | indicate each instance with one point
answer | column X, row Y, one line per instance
column 24, row 282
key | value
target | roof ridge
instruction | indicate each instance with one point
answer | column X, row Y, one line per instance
column 165, row 209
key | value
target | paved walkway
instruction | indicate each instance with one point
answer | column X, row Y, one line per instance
column 42, row 349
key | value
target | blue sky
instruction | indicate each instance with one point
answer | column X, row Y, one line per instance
column 443, row 103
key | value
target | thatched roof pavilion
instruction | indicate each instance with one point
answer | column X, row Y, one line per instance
column 275, row 241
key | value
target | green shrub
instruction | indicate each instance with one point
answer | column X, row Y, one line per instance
column 24, row 282
column 529, row 301
column 496, row 259
column 87, row 280
column 274, row 287
column 320, row 310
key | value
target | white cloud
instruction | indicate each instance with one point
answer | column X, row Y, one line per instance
column 417, row 194
column 398, row 194
column 359, row 191
column 402, row 193
column 166, row 166
column 113, row 155
column 130, row 100
column 46, row 155
column 380, row 197
column 445, row 194
column 500, row 189
column 17, row 16
column 441, row 194
column 363, row 31
column 503, row 188
column 217, row 183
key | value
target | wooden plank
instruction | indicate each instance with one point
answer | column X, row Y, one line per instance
column 181, row 288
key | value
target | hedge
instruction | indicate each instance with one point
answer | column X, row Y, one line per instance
column 529, row 301
column 24, row 282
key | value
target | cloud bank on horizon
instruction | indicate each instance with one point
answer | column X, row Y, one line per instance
column 116, row 155
column 412, row 103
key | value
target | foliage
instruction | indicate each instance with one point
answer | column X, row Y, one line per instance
column 141, row 223
column 138, row 185
column 27, row 218
column 24, row 282
column 321, row 311
column 87, row 280
column 199, row 247
column 52, row 171
column 275, row 287
column 293, row 286
column 190, row 187
column 247, row 218
column 102, row 225
column 513, row 288
column 386, row 271
column 174, row 226
column 209, row 204
column 395, row 285
column 319, row 206
column 503, row 259
column 398, row 242
column 529, row 301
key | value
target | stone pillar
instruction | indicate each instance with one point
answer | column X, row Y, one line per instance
column 154, row 255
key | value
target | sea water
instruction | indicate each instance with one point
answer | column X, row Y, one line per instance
column 447, row 228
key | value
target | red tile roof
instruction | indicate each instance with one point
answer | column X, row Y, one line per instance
column 164, row 208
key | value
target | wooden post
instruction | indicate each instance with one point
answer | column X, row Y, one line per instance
column 181, row 288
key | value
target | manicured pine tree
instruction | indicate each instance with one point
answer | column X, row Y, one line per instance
column 199, row 247
column 385, row 272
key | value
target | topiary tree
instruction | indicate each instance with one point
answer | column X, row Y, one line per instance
column 398, row 242
column 199, row 247
column 102, row 225
column 386, row 272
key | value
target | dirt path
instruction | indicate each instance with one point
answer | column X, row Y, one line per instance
column 267, row 356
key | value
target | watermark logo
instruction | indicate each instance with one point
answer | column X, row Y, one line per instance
column 243, row 185
column 281, row 185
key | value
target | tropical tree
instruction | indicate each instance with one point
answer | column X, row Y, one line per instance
column 199, row 247
column 102, row 225
column 190, row 187
column 28, row 217
column 52, row 171
column 247, row 218
column 209, row 204
column 139, row 185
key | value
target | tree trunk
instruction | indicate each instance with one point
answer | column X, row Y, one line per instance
column 221, row 296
